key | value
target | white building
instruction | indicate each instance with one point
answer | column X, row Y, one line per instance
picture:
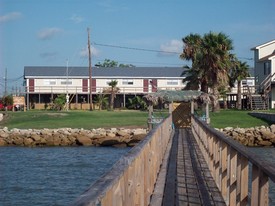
column 264, row 60
column 45, row 83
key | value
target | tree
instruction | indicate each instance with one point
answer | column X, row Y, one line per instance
column 112, row 63
column 216, row 62
column 101, row 100
column 107, row 63
column 113, row 92
column 7, row 100
column 211, row 61
column 238, row 73
column 126, row 65
column 191, row 51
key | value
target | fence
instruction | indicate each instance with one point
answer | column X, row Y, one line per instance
column 131, row 181
column 229, row 163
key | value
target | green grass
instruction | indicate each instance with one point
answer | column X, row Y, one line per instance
column 235, row 118
column 107, row 119
column 74, row 119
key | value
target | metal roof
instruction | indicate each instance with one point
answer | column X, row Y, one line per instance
column 102, row 72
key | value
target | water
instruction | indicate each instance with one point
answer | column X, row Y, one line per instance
column 58, row 175
column 51, row 175
column 267, row 154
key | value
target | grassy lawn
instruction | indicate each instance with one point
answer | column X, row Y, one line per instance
column 107, row 119
column 74, row 119
column 235, row 118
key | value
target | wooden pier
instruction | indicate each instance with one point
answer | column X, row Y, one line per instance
column 185, row 178
column 194, row 165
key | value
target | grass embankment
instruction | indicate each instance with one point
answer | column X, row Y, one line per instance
column 235, row 118
column 74, row 119
column 107, row 119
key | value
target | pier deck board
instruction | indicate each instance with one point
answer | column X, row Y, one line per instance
column 188, row 180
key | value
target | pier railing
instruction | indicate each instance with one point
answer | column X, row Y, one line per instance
column 229, row 163
column 131, row 180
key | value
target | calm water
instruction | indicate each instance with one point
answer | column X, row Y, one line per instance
column 268, row 154
column 53, row 175
column 58, row 175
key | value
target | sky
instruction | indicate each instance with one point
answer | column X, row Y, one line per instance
column 142, row 33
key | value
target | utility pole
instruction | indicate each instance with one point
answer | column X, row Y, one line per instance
column 67, row 94
column 90, row 70
column 5, row 94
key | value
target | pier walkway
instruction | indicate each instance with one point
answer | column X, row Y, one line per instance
column 184, row 165
column 184, row 177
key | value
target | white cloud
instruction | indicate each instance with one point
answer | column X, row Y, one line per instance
column 10, row 17
column 84, row 53
column 48, row 33
column 77, row 19
column 173, row 47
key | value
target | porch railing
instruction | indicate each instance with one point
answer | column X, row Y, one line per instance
column 229, row 163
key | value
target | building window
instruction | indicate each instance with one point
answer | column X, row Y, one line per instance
column 49, row 82
column 267, row 68
column 66, row 82
column 249, row 82
column 127, row 82
column 172, row 82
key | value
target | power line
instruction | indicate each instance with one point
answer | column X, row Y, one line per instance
column 148, row 50
column 134, row 48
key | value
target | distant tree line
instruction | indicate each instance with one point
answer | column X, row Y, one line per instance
column 112, row 63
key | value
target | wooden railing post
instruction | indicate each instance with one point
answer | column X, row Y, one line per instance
column 229, row 162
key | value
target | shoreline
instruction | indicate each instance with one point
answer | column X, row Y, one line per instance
column 116, row 137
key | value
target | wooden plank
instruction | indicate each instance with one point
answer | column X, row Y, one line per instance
column 263, row 190
column 255, row 186
column 157, row 196
column 233, row 177
column 244, row 181
column 170, row 186
column 224, row 171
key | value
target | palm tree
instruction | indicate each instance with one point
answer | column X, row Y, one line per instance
column 191, row 51
column 239, row 72
column 101, row 100
column 211, row 61
column 215, row 62
column 113, row 91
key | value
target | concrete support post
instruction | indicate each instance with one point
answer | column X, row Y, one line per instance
column 207, row 113
column 192, row 106
column 150, row 114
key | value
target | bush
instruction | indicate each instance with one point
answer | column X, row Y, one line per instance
column 137, row 103
column 59, row 102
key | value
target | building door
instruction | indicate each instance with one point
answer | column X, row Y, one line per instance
column 181, row 114
column 84, row 85
column 93, row 85
column 154, row 84
column 31, row 85
column 145, row 85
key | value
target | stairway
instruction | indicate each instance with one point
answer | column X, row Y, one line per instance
column 258, row 102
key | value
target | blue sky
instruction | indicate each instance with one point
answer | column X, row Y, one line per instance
column 48, row 32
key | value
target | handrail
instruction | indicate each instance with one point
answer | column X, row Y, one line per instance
column 266, row 82
column 97, row 89
column 131, row 180
column 229, row 164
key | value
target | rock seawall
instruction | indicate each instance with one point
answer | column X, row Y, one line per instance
column 255, row 136
column 71, row 137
